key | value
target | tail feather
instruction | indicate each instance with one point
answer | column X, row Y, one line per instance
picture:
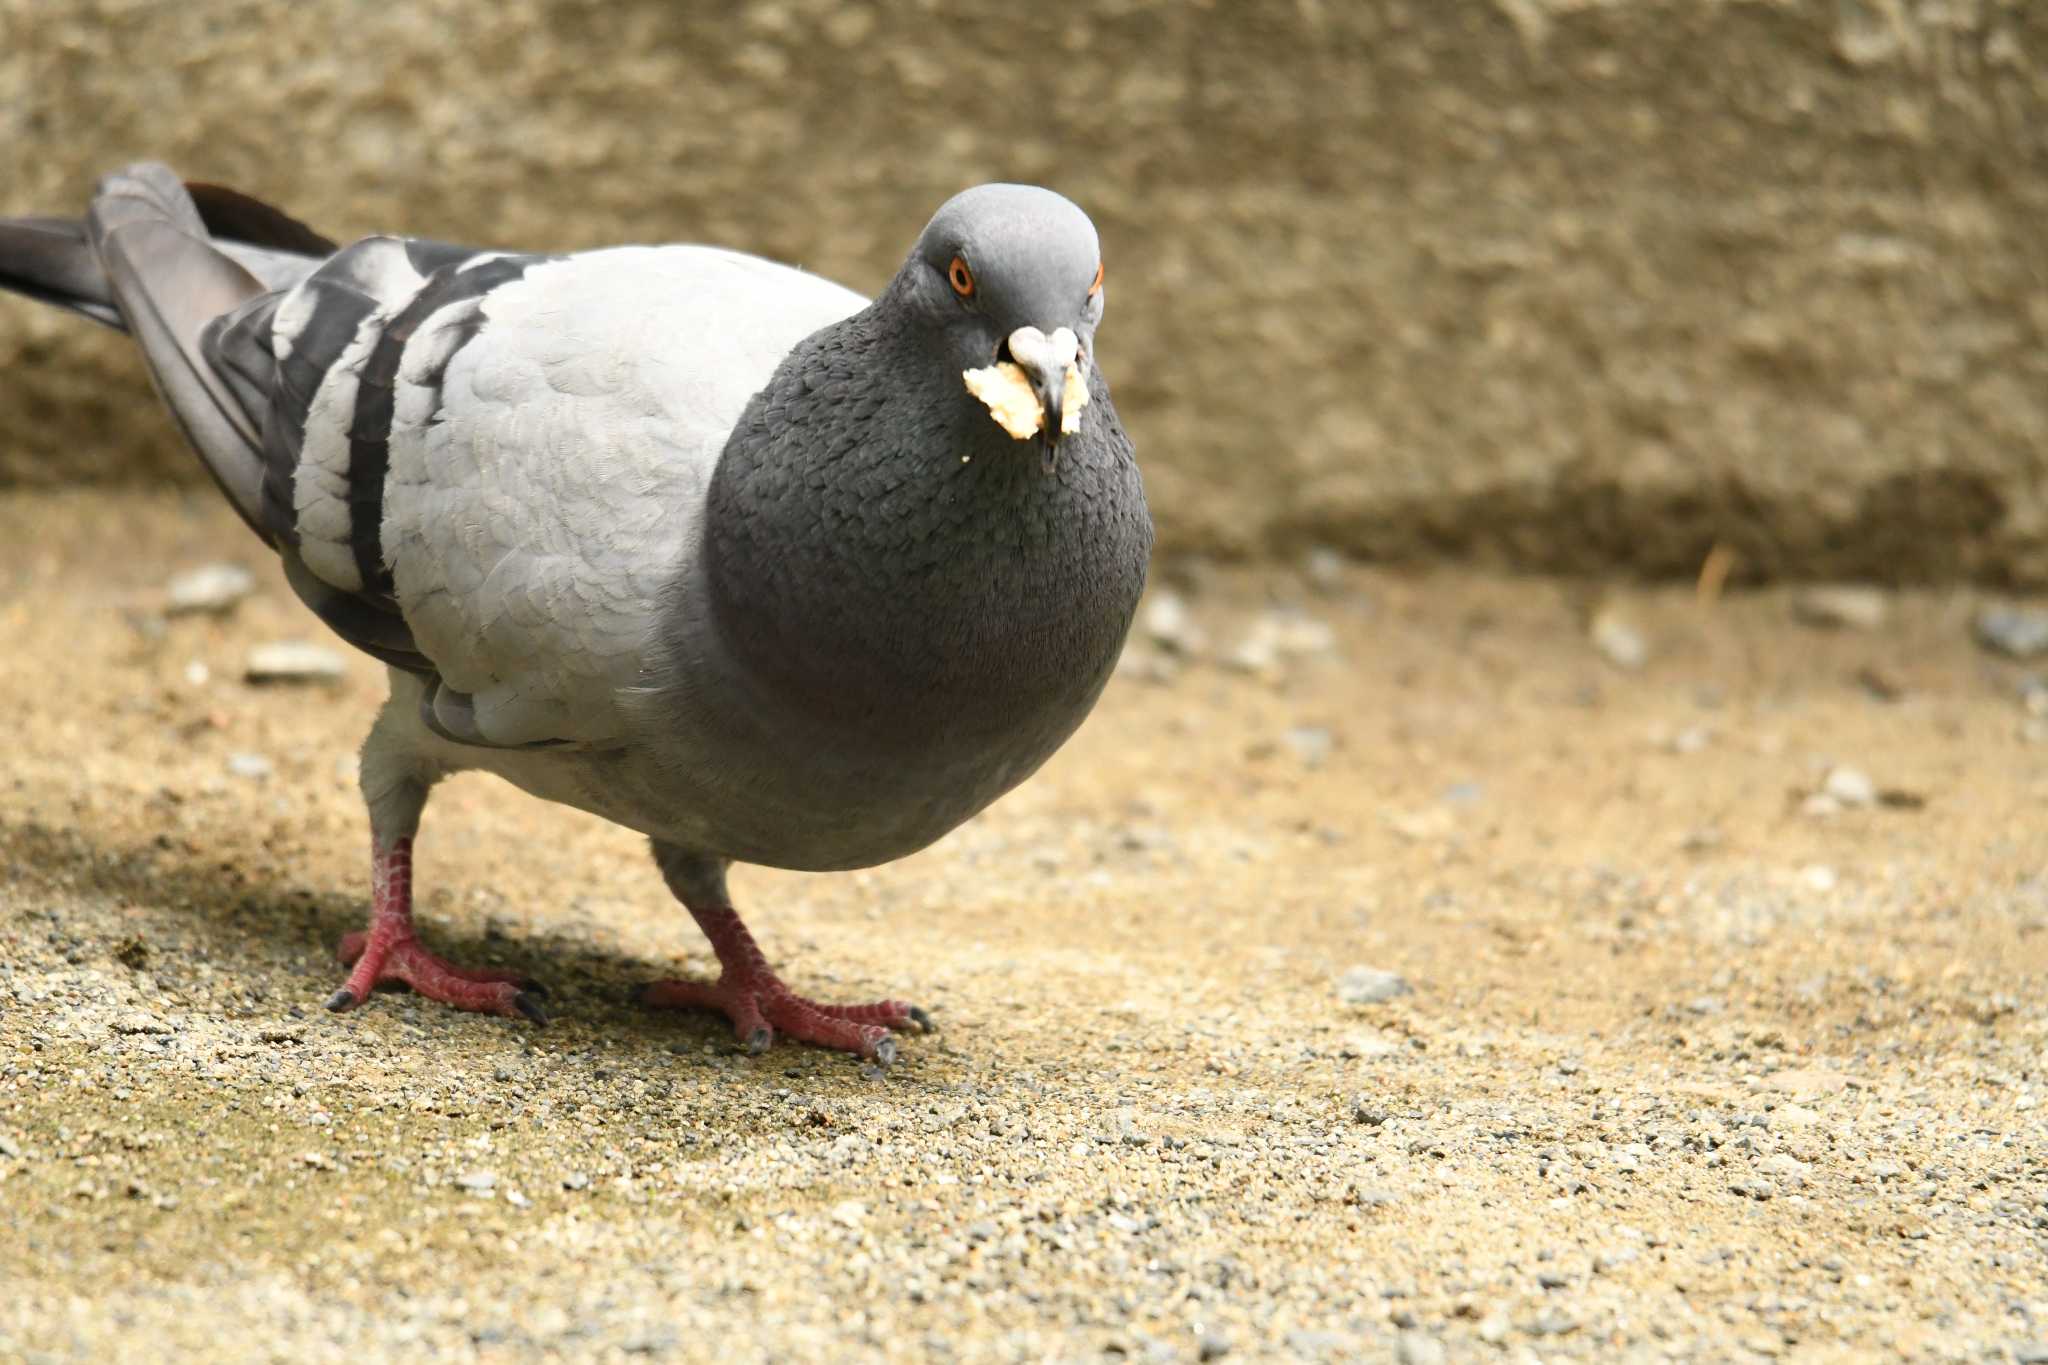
column 161, row 259
column 242, row 218
column 169, row 281
column 51, row 259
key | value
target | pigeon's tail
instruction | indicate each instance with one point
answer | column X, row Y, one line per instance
column 51, row 259
column 160, row 260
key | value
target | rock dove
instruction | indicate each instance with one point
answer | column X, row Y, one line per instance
column 703, row 544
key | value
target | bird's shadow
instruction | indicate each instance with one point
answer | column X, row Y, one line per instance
column 257, row 928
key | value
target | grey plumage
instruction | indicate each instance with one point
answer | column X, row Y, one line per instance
column 705, row 545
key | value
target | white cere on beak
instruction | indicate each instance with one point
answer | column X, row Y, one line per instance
column 1007, row 391
column 1048, row 354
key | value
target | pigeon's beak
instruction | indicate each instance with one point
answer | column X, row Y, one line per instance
column 1049, row 363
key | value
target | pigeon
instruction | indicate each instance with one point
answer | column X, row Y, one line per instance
column 706, row 545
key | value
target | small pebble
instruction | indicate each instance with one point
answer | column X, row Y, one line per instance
column 1369, row 986
column 1793, row 1116
column 1785, row 1170
column 2034, row 695
column 477, row 1182
column 1365, row 1045
column 1256, row 654
column 1170, row 626
column 1419, row 1348
column 1619, row 642
column 1311, row 744
column 255, row 767
column 2014, row 631
column 1841, row 606
column 1297, row 633
column 1692, row 739
column 212, row 589
column 294, row 662
column 1850, row 786
column 1324, row 568
column 1807, row 1081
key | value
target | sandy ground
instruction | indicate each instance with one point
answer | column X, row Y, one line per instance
column 1685, row 1067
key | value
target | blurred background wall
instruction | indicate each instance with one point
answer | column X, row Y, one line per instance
column 1574, row 284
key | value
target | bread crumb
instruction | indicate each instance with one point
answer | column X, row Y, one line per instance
column 1015, row 407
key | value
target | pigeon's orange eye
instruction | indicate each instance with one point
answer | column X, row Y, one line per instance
column 1096, row 287
column 960, row 277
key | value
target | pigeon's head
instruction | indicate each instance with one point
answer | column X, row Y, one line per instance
column 1008, row 281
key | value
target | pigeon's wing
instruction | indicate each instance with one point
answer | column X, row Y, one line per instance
column 548, row 489
column 486, row 467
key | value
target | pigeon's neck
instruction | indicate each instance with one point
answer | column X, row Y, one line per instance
column 876, row 548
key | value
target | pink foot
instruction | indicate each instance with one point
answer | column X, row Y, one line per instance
column 390, row 951
column 750, row 994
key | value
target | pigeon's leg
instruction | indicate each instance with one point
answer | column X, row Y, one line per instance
column 747, row 990
column 395, row 787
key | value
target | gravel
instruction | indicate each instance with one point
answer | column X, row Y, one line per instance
column 1652, row 1105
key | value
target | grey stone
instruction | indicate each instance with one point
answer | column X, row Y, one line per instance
column 1850, row 787
column 1369, row 986
column 211, row 589
column 2016, row 632
column 1419, row 1348
column 255, row 767
column 1846, row 606
column 1312, row 744
column 294, row 662
column 1169, row 625
column 1618, row 641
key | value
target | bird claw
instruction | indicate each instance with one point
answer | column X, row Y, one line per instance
column 760, row 1007
column 403, row 961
